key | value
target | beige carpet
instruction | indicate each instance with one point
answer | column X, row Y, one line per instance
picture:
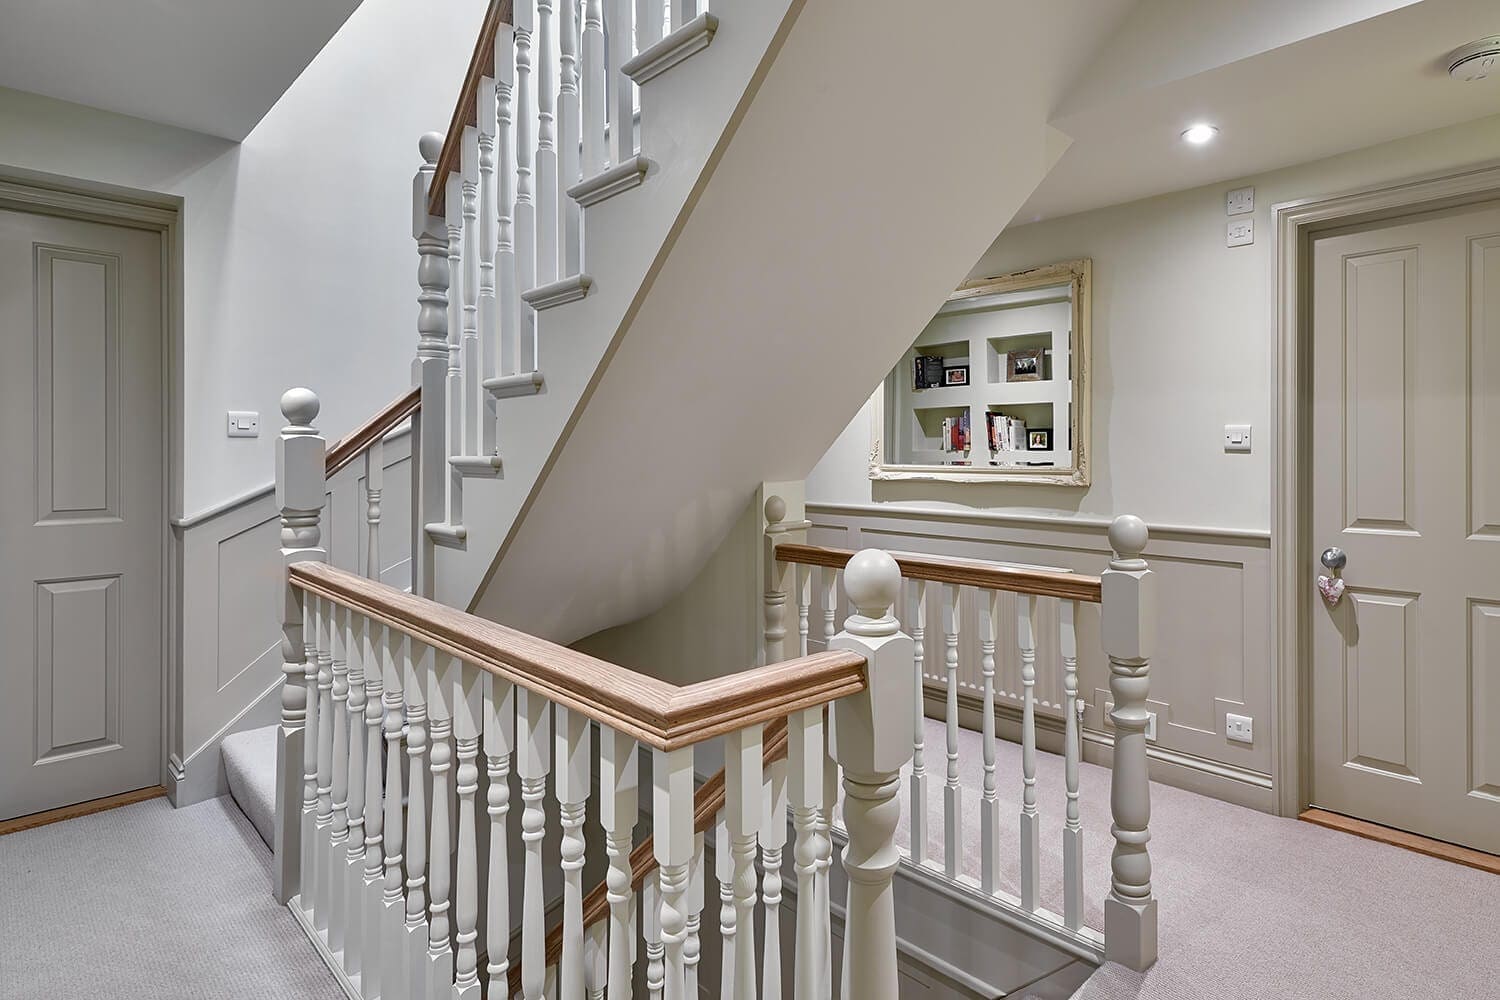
column 1251, row 906
column 148, row 902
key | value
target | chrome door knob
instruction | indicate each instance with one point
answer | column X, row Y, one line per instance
column 1334, row 558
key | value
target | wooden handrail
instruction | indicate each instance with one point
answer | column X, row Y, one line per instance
column 356, row 442
column 466, row 109
column 707, row 802
column 967, row 573
column 659, row 714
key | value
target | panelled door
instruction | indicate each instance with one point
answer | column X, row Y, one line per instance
column 1406, row 481
column 82, row 514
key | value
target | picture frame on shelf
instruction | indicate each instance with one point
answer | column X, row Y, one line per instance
column 1024, row 365
column 1041, row 313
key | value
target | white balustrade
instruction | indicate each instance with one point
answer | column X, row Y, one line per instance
column 525, row 210
column 454, row 387
column 499, row 750
column 772, row 840
column 728, row 916
column 918, row 783
column 547, row 219
column 953, row 813
column 572, row 787
column 569, row 138
column 335, row 623
column 487, row 112
column 619, row 799
column 592, row 89
column 1072, row 750
column 468, row 715
column 473, row 254
column 354, row 844
column 431, row 470
column 620, row 87
column 441, row 679
column 1031, row 837
column 672, row 834
column 533, row 763
column 989, row 801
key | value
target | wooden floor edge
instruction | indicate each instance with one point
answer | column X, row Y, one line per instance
column 34, row 820
column 1466, row 856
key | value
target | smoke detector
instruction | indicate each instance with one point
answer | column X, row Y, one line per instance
column 1476, row 60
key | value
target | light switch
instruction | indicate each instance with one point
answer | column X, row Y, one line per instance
column 243, row 424
column 1240, row 201
column 1241, row 233
column 1236, row 437
column 1240, row 728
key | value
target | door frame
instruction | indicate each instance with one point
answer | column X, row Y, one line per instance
column 1294, row 226
column 46, row 194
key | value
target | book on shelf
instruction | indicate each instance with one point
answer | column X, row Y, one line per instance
column 1005, row 433
column 955, row 433
column 926, row 371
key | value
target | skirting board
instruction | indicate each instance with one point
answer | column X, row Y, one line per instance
column 201, row 776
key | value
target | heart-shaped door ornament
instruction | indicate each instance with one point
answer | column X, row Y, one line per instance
column 1332, row 589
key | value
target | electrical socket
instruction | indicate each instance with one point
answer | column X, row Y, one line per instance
column 1239, row 728
column 1240, row 201
column 1241, row 233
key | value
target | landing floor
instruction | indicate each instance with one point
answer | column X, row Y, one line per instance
column 148, row 902
column 1250, row 906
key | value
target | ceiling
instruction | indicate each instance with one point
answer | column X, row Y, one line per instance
column 1341, row 75
column 213, row 66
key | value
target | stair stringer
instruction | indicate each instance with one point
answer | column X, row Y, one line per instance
column 687, row 115
column 872, row 169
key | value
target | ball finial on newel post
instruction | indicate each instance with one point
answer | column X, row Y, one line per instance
column 872, row 580
column 1128, row 537
column 775, row 509
column 300, row 406
column 430, row 146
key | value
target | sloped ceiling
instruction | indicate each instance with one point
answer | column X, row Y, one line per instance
column 213, row 66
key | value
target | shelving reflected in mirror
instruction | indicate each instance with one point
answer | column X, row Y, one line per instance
column 995, row 388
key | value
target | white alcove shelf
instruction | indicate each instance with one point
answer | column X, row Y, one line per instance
column 980, row 327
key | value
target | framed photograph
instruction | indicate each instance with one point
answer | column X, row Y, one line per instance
column 1039, row 439
column 1024, row 366
column 956, row 375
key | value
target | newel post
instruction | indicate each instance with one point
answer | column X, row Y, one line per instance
column 300, row 492
column 1128, row 630
column 871, row 742
column 430, row 467
column 783, row 526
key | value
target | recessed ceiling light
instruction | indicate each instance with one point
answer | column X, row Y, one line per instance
column 1199, row 134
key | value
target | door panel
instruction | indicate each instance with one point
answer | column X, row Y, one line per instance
column 1406, row 480
column 82, row 513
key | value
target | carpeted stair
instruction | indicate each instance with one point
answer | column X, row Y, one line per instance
column 250, row 768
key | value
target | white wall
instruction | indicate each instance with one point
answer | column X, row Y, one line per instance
column 1184, row 335
column 298, row 261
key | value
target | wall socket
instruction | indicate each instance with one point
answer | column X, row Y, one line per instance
column 1239, row 728
column 243, row 424
column 1241, row 233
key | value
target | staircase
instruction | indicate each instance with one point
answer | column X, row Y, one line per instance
column 637, row 201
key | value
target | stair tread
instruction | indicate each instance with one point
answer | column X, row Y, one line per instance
column 250, row 769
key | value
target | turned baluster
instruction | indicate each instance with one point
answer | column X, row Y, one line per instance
column 871, row 747
column 508, row 314
column 533, row 762
column 458, row 292
column 1127, row 626
column 594, row 153
column 526, row 220
column 805, row 791
column 568, row 136
column 374, row 489
column 619, row 800
column 772, row 840
column 621, row 89
column 394, row 649
column 441, row 680
column 338, row 835
column 648, row 23
column 418, row 665
column 656, row 968
column 309, row 874
column 1073, row 825
column 802, row 576
column 547, row 218
column 728, row 919
column 473, row 258
column 1031, row 839
column 692, row 947
column 918, row 793
column 300, row 493
column 953, row 832
column 596, row 960
column 989, row 805
column 572, row 788
column 468, row 709
column 672, row 837
column 499, row 748
column 354, row 844
column 742, row 813
column 323, row 899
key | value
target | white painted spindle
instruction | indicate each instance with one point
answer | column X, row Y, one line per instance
column 656, row 967
column 743, row 780
column 682, row 11
column 395, row 971
column 418, row 664
column 374, row 489
column 441, row 681
column 692, row 947
column 499, row 748
column 547, row 220
column 468, row 715
column 918, row 785
column 508, row 313
column 525, row 143
column 672, row 837
column 338, row 837
column 454, row 387
column 300, row 495
column 323, row 898
column 1073, row 826
column 989, row 803
column 568, row 138
column 728, row 925
column 488, row 115
column 805, row 790
column 802, row 576
column 1127, row 625
column 596, row 960
column 473, row 255
column 374, row 860
column 311, row 853
column 620, row 87
column 573, row 764
column 354, row 850
column 648, row 23
column 772, row 840
column 619, row 801
column 1031, row 838
column 871, row 748
column 953, row 833
column 824, row 899
column 533, row 762
column 594, row 152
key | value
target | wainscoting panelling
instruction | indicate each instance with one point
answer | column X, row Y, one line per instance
column 228, row 604
column 1213, row 654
